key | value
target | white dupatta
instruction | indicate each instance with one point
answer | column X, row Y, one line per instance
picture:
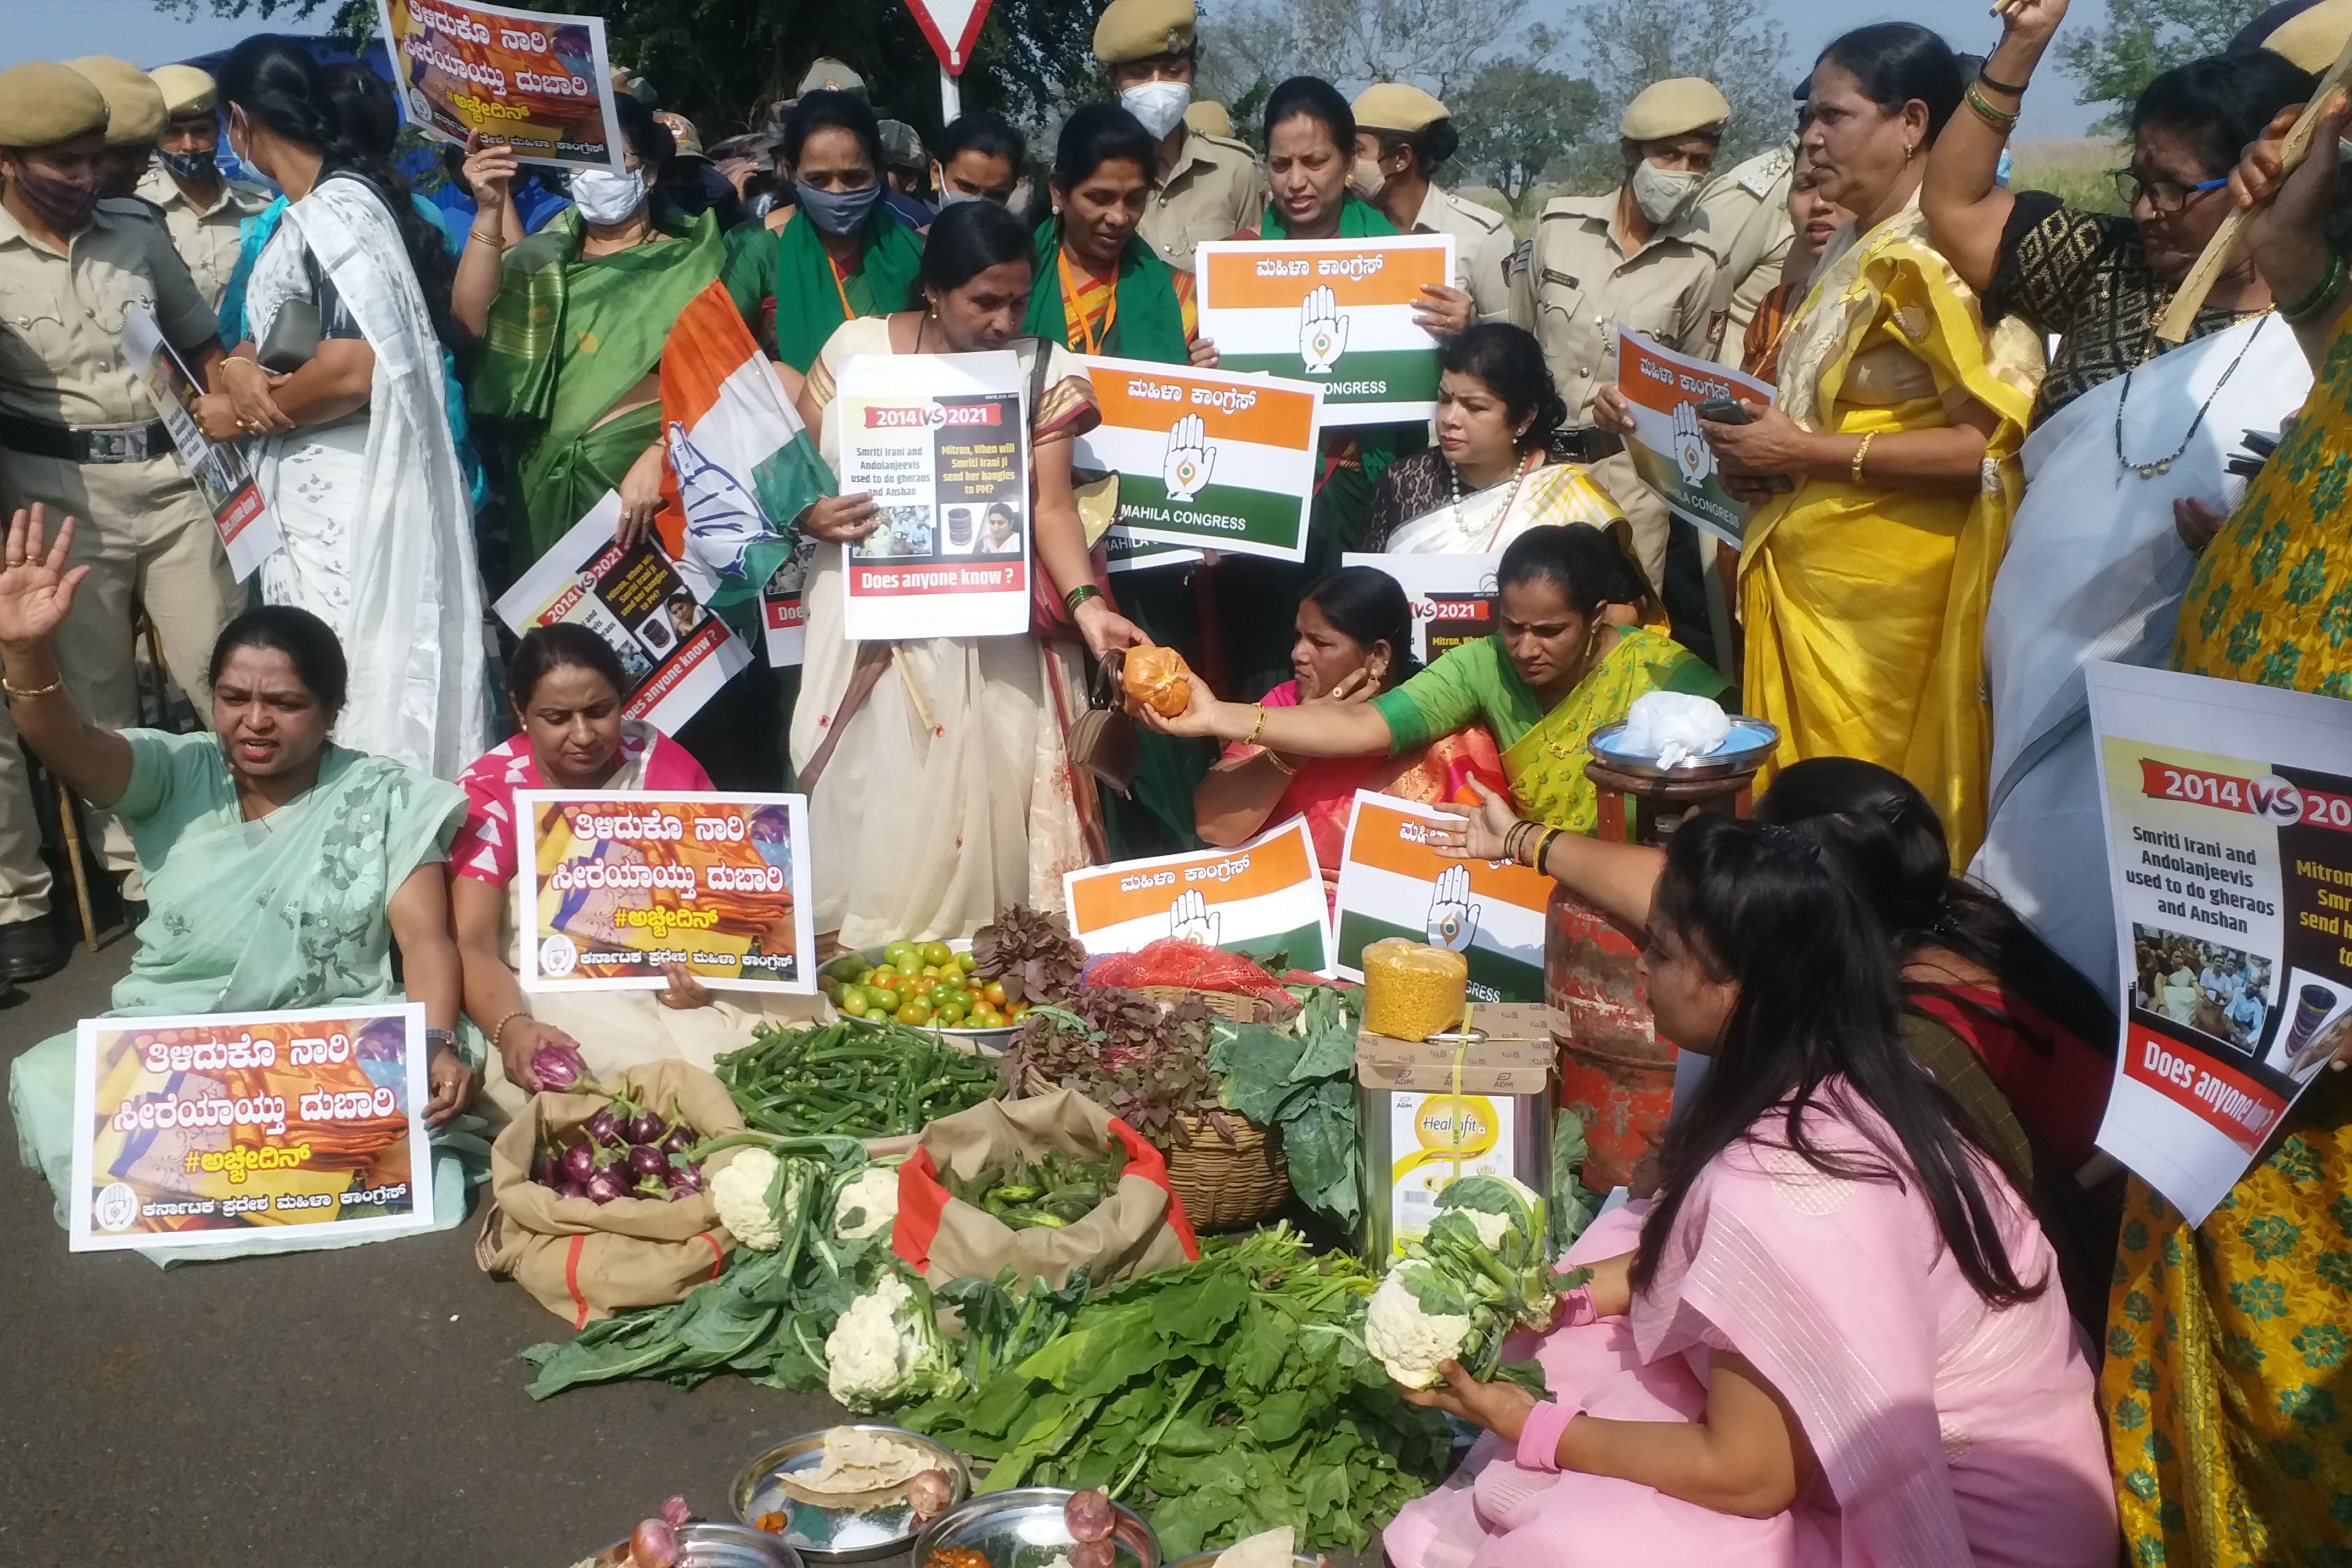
column 413, row 631
column 2095, row 570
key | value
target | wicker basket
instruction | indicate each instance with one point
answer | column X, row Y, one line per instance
column 1223, row 1186
column 1232, row 1004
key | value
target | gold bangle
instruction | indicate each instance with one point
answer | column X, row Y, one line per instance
column 497, row 240
column 1862, row 452
column 1257, row 728
column 35, row 691
column 1280, row 766
column 499, row 1035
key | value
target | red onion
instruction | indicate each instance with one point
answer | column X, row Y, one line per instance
column 929, row 1494
column 1094, row 1554
column 652, row 1544
column 1088, row 1514
column 674, row 1512
column 557, row 1068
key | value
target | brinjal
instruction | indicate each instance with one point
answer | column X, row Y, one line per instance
column 646, row 1128
column 683, row 1183
column 648, row 1161
column 605, row 1186
column 579, row 1162
column 572, row 1190
column 605, row 1128
column 557, row 1068
column 548, row 1170
column 680, row 1139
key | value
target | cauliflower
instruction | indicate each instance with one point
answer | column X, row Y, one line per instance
column 1491, row 1227
column 888, row 1349
column 1405, row 1338
column 872, row 1196
column 741, row 1191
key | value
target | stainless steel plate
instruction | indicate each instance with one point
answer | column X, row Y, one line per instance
column 985, row 1042
column 835, row 1535
column 1208, row 1560
column 707, row 1544
column 1745, row 748
column 1023, row 1528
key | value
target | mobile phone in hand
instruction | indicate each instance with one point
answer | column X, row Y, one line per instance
column 1723, row 411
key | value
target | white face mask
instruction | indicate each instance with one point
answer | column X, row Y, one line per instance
column 1368, row 180
column 607, row 196
column 1160, row 105
column 1663, row 194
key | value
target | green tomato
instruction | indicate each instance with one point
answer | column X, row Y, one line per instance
column 852, row 1002
column 881, row 999
column 966, row 963
column 901, row 956
column 937, row 954
column 949, row 1016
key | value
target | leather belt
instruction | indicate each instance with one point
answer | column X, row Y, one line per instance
column 1586, row 444
column 86, row 443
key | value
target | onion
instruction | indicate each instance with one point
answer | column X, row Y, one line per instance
column 605, row 1186
column 557, row 1068
column 652, row 1544
column 605, row 1128
column 929, row 1494
column 648, row 1161
column 1088, row 1514
column 579, row 1162
column 1094, row 1554
column 674, row 1512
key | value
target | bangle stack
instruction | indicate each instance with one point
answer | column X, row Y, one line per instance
column 1516, row 839
column 495, row 241
column 1987, row 79
column 2001, row 120
column 1079, row 595
column 1543, row 847
column 2323, row 293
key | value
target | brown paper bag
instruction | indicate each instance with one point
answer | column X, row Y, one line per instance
column 585, row 1260
column 1138, row 1229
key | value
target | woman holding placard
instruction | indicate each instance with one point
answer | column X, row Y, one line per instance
column 1488, row 479
column 283, row 870
column 938, row 774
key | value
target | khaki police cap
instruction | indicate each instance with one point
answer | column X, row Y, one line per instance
column 42, row 101
column 1210, row 118
column 2315, row 38
column 1674, row 106
column 186, row 90
column 830, row 75
column 1397, row 106
column 1144, row 29
column 134, row 104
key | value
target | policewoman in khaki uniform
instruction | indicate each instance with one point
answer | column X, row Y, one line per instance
column 1403, row 134
column 134, row 119
column 1637, row 257
column 203, row 208
column 1746, row 212
column 79, row 433
column 1206, row 187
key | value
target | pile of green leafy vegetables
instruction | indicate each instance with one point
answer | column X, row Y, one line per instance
column 1299, row 1077
column 1219, row 1398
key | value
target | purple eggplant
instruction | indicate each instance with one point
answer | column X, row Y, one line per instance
column 607, row 1185
column 579, row 1162
column 557, row 1068
column 648, row 1161
column 605, row 1128
column 645, row 1129
column 548, row 1170
column 684, row 1182
column 572, row 1190
column 681, row 1138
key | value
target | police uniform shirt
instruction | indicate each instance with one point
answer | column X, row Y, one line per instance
column 61, row 315
column 1482, row 251
column 207, row 238
column 1583, row 287
column 1215, row 191
column 1746, row 217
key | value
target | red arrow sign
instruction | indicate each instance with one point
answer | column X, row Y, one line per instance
column 952, row 27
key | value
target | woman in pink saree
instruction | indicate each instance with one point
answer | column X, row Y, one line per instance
column 1834, row 1337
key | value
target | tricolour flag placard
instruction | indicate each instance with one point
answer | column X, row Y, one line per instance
column 1393, row 884
column 1206, row 459
column 1259, row 897
column 1337, row 312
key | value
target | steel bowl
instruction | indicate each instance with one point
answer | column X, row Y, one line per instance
column 707, row 1544
column 813, row 1529
column 1742, row 750
column 985, row 1042
column 1024, row 1528
column 1209, row 1559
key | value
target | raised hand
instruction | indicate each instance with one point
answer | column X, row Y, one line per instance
column 1453, row 918
column 1190, row 459
column 2031, row 21
column 1322, row 330
column 1189, row 919
column 36, row 586
column 488, row 172
column 1693, row 456
column 2285, row 228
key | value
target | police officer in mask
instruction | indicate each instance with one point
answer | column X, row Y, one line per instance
column 1205, row 187
column 203, row 208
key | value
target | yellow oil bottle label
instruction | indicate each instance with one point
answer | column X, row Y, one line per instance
column 1443, row 1136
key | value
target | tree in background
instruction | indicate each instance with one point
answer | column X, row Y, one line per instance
column 1434, row 44
column 1629, row 44
column 722, row 62
column 1517, row 121
column 2145, row 39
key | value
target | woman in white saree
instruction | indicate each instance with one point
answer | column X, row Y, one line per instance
column 355, row 458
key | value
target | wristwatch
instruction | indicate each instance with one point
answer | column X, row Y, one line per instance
column 440, row 1040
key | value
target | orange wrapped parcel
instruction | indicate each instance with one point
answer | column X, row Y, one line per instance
column 1159, row 679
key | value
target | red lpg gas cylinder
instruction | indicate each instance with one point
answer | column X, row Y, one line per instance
column 1615, row 1075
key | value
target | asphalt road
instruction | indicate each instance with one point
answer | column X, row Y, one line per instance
column 353, row 1409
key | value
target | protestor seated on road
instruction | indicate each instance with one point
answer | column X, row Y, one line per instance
column 565, row 685
column 2022, row 1041
column 282, row 870
column 1836, row 1334
column 1565, row 659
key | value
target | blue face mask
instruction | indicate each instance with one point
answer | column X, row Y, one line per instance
column 837, row 212
column 2002, row 170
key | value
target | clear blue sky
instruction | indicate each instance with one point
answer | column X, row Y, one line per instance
column 60, row 29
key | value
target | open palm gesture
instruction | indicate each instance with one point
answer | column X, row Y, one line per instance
column 36, row 586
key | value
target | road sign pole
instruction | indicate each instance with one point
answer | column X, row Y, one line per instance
column 950, row 99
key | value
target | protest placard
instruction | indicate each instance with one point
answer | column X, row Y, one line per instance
column 248, row 530
column 1393, row 884
column 1206, row 459
column 1260, row 898
column 197, row 1131
column 941, row 443
column 1667, row 447
column 2232, row 867
column 1453, row 596
column 676, row 653
column 1122, row 552
column 620, row 884
column 1337, row 312
column 534, row 80
column 781, row 613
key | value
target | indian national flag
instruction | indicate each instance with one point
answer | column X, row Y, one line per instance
column 741, row 465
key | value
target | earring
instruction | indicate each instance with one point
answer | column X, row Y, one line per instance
column 1910, row 150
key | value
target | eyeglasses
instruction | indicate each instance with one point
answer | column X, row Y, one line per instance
column 2167, row 196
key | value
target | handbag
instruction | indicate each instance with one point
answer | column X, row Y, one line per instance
column 292, row 340
column 1103, row 738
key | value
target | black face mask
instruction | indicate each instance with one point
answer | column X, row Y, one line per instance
column 191, row 166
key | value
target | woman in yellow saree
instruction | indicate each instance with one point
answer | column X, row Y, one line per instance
column 1565, row 660
column 1884, row 478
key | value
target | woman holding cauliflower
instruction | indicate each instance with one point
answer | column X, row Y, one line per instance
column 1834, row 1337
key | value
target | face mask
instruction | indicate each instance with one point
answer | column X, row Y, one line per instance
column 1663, row 193
column 949, row 196
column 1160, row 105
column 64, row 205
column 2002, row 170
column 837, row 212
column 1368, row 179
column 606, row 197
column 191, row 166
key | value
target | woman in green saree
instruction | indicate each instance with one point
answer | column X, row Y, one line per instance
column 838, row 252
column 573, row 321
column 1564, row 661
column 281, row 870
